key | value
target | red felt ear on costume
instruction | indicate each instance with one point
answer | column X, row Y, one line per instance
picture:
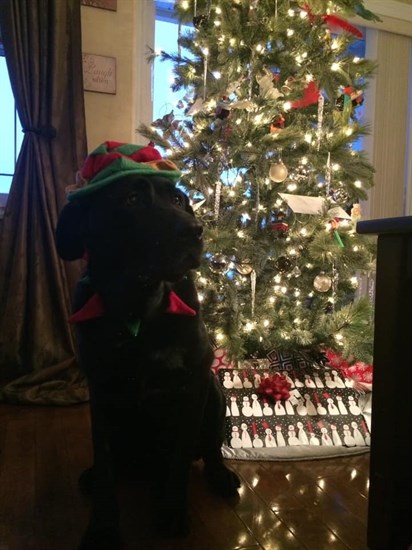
column 178, row 307
column 92, row 309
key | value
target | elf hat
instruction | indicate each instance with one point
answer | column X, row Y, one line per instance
column 112, row 161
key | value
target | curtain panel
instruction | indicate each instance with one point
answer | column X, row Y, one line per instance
column 42, row 45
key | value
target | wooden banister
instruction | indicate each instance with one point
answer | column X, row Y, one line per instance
column 390, row 491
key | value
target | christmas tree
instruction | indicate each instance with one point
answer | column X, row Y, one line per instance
column 265, row 139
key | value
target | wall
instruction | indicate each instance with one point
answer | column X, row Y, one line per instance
column 389, row 109
column 123, row 34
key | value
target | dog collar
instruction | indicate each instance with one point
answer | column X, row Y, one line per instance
column 94, row 308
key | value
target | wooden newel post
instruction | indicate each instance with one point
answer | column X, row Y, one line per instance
column 390, row 491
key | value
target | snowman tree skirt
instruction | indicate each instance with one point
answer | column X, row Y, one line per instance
column 321, row 415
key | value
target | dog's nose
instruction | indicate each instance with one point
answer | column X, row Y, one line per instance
column 193, row 231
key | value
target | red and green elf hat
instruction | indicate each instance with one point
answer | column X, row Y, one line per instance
column 112, row 161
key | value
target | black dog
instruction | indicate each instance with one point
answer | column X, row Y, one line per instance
column 143, row 347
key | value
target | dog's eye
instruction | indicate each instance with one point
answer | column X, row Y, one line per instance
column 178, row 200
column 132, row 199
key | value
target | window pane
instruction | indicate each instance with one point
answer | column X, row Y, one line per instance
column 5, row 182
column 164, row 99
column 11, row 135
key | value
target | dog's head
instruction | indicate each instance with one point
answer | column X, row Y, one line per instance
column 139, row 221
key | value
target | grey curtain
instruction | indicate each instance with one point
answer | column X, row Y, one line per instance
column 42, row 45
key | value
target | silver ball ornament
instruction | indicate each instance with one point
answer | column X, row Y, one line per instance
column 219, row 264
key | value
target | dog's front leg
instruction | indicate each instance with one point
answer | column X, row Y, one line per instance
column 102, row 532
column 172, row 514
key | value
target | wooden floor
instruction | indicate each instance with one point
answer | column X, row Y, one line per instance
column 316, row 505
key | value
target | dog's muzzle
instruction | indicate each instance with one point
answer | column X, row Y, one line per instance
column 191, row 232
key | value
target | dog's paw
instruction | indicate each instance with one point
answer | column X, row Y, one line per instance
column 172, row 523
column 222, row 481
column 101, row 539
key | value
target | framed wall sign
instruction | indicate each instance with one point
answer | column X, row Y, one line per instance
column 103, row 4
column 99, row 73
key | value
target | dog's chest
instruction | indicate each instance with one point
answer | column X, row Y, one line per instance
column 163, row 356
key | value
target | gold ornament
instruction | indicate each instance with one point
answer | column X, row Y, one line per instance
column 244, row 268
column 322, row 282
column 278, row 172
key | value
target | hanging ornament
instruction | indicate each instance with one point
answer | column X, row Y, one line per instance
column 267, row 85
column 253, row 290
column 335, row 23
column 218, row 193
column 296, row 272
column 278, row 172
column 356, row 212
column 205, row 52
column 322, row 282
column 310, row 96
column 328, row 175
column 219, row 264
column 280, row 228
column 349, row 99
column 244, row 268
column 223, row 108
column 166, row 121
column 277, row 124
column 321, row 104
column 288, row 85
column 334, row 224
column 199, row 21
column 283, row 264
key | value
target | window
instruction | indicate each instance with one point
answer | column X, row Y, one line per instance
column 11, row 135
column 166, row 35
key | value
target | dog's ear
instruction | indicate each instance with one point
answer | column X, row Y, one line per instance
column 70, row 230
